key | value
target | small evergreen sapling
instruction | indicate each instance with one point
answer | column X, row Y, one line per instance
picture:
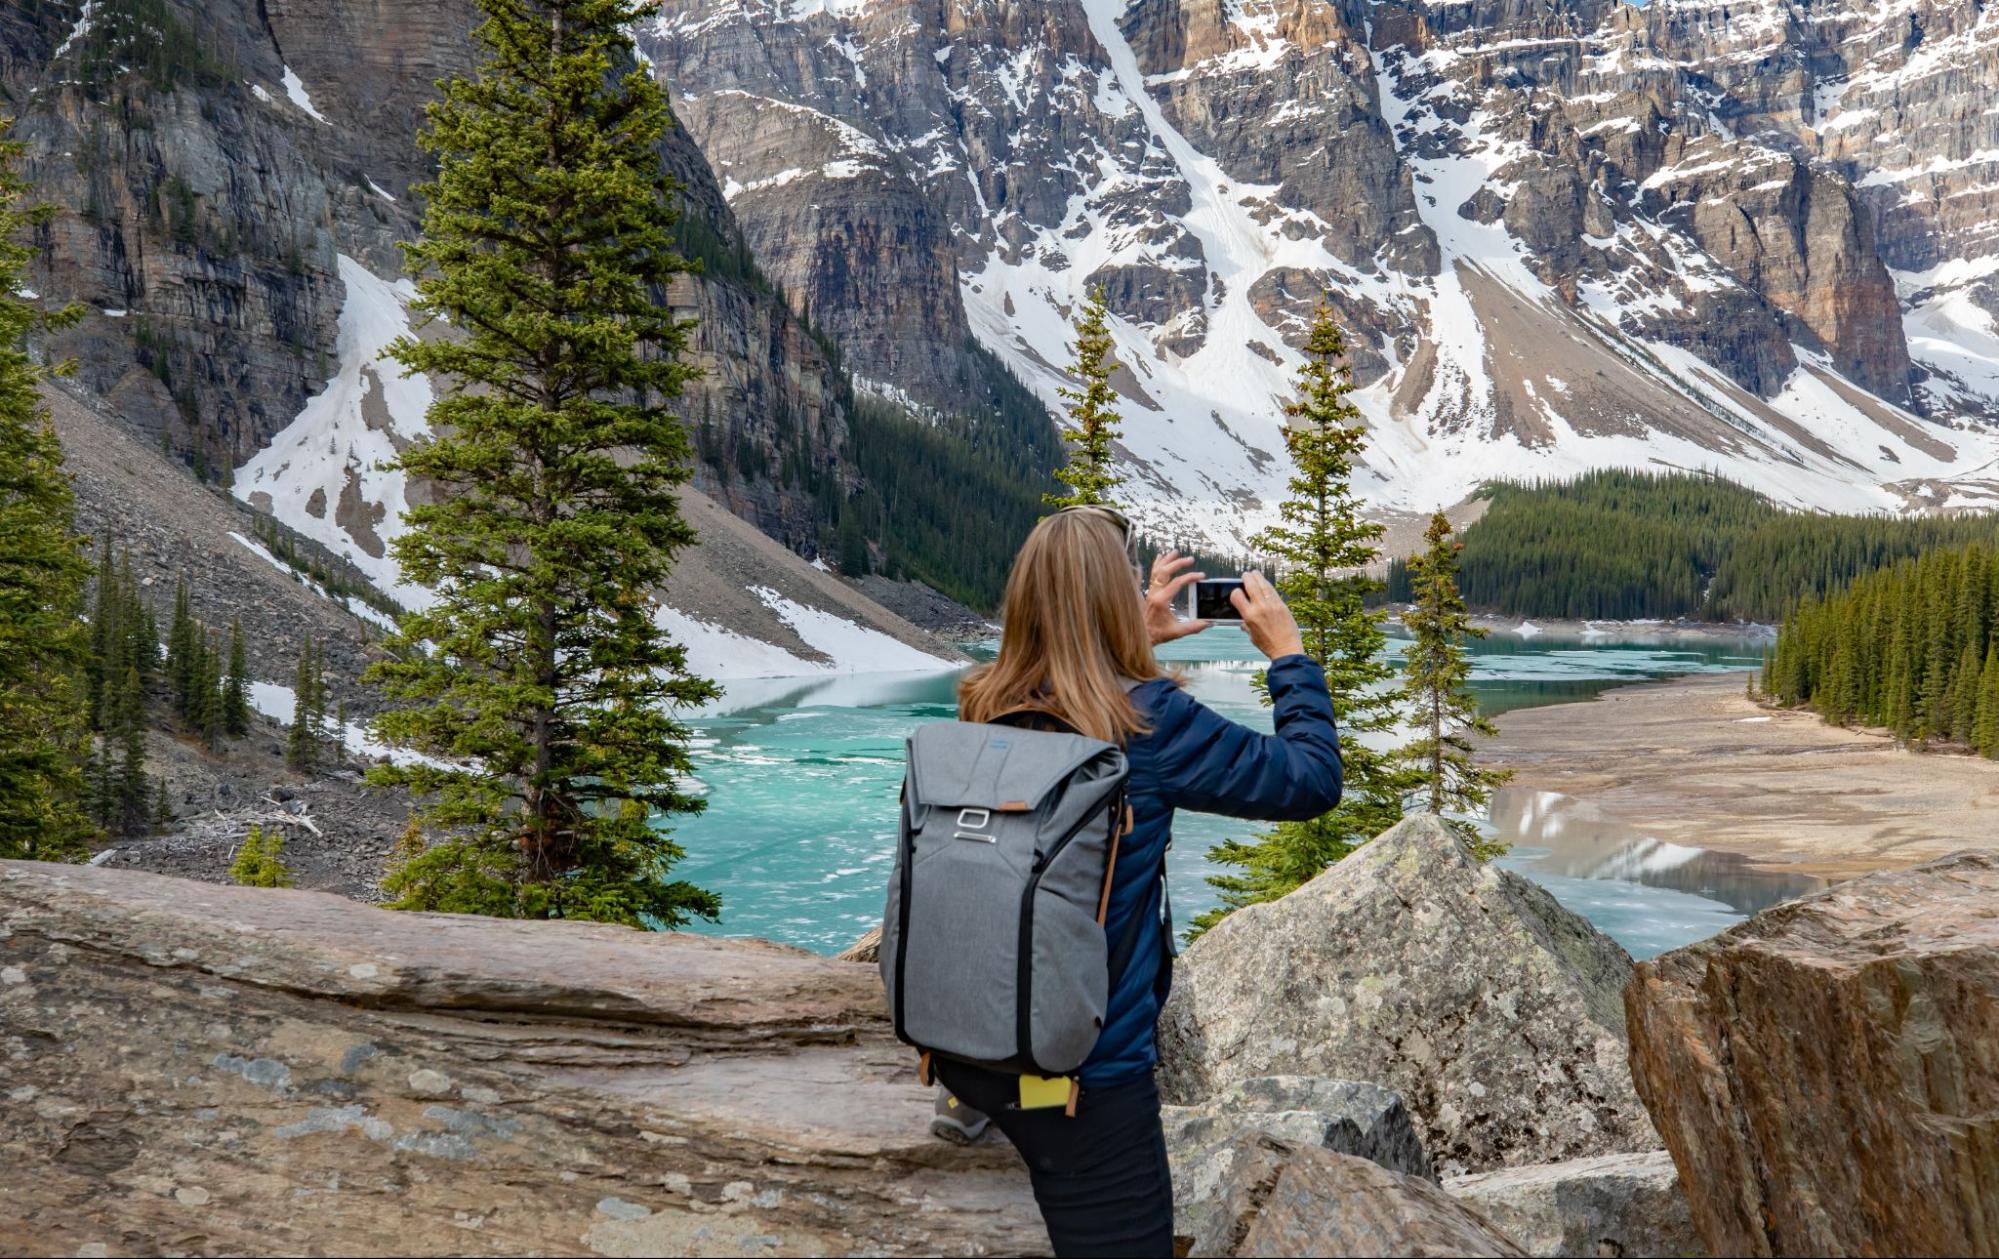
column 1091, row 413
column 1437, row 673
column 260, row 860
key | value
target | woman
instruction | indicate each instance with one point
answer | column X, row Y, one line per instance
column 1078, row 633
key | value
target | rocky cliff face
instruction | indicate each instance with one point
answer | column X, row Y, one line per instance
column 233, row 179
column 1760, row 238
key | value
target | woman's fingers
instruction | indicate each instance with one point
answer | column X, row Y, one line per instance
column 1165, row 566
column 1172, row 589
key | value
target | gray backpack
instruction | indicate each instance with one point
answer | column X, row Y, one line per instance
column 992, row 947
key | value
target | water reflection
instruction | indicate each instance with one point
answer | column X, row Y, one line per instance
column 1649, row 894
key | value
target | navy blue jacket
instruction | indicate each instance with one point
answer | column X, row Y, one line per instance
column 1194, row 758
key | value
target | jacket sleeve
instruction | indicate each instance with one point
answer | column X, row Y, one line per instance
column 1212, row 765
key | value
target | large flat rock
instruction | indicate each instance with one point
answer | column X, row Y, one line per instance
column 1494, row 1012
column 1326, row 1204
column 221, row 1070
column 1826, row 1074
column 1613, row 1204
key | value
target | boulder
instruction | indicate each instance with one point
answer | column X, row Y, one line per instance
column 1211, row 1160
column 209, row 1069
column 1826, row 1074
column 1613, row 1204
column 1322, row 1203
column 866, row 949
column 1494, row 1012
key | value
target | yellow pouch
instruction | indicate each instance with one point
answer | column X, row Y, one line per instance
column 1040, row 1092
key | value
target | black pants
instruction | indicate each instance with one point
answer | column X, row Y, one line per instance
column 1101, row 1178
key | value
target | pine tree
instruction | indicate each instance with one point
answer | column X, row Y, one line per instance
column 236, row 687
column 106, row 637
column 44, row 646
column 537, row 667
column 1323, row 548
column 1091, row 411
column 133, row 786
column 181, row 639
column 163, row 809
column 1985, row 720
column 1967, row 681
column 1438, row 674
column 142, row 633
column 205, row 708
column 302, row 743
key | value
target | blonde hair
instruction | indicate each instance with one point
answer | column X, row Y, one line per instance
column 1073, row 626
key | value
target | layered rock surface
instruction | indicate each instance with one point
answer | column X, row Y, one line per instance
column 1494, row 1012
column 225, row 1070
column 1826, row 1074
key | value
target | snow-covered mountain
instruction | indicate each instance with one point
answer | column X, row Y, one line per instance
column 1754, row 236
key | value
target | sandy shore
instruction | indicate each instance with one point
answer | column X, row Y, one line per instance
column 1695, row 762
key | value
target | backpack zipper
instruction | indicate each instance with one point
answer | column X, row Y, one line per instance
column 908, row 841
column 1024, row 949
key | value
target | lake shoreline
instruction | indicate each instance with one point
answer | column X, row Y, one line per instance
column 1659, row 633
column 1694, row 761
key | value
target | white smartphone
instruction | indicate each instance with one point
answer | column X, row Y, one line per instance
column 1208, row 600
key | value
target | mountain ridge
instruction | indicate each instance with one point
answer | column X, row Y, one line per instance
column 1562, row 236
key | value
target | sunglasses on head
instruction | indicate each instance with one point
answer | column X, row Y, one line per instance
column 1117, row 518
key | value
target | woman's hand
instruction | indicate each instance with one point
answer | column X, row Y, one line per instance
column 1163, row 591
column 1265, row 619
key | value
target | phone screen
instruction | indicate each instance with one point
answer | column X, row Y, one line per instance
column 1211, row 599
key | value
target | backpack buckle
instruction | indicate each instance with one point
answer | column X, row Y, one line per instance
column 975, row 820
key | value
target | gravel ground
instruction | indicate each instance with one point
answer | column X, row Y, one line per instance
column 1698, row 763
column 337, row 832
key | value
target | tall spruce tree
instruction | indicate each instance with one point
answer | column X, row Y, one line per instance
column 1437, row 673
column 236, row 686
column 44, row 645
column 538, row 668
column 1321, row 547
column 302, row 742
column 1090, row 413
column 181, row 638
column 1985, row 717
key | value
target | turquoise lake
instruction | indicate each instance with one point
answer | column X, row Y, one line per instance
column 801, row 775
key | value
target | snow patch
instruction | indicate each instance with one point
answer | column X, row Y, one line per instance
column 853, row 648
column 366, row 612
column 279, row 703
column 86, row 17
column 326, row 463
column 295, row 89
